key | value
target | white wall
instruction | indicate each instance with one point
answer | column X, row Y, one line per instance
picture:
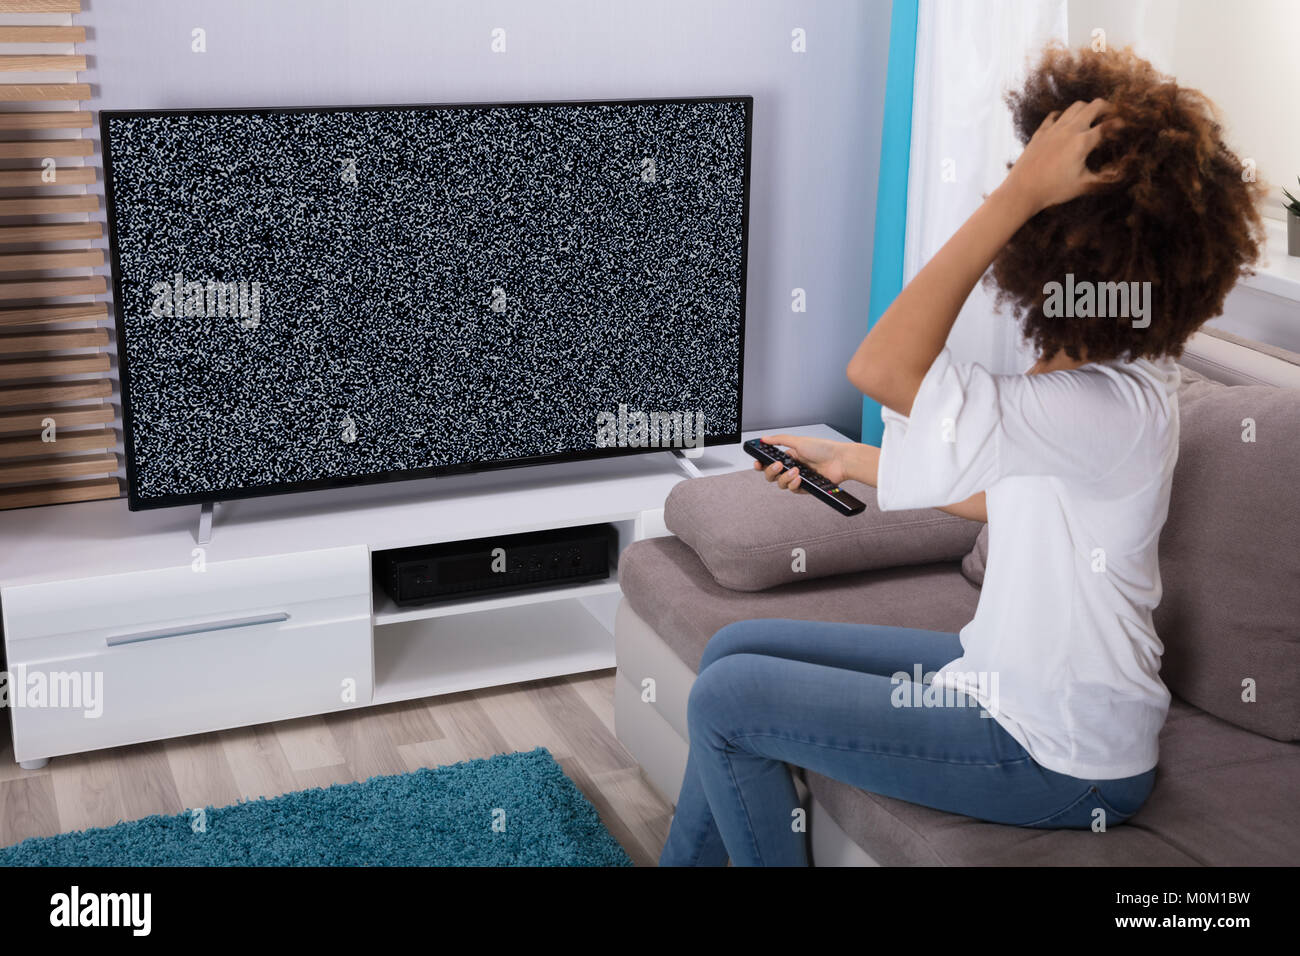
column 816, row 136
column 1243, row 54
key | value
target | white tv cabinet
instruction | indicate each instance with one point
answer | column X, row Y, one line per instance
column 276, row 617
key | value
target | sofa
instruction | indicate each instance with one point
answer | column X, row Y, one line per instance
column 1227, row 789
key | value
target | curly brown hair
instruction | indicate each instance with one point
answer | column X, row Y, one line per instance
column 1181, row 215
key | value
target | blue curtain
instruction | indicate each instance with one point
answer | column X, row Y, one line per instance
column 891, row 190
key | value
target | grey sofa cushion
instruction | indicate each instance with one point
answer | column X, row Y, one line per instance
column 1223, row 797
column 973, row 565
column 1230, row 557
column 746, row 532
column 668, row 586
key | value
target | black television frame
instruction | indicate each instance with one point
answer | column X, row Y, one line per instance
column 135, row 503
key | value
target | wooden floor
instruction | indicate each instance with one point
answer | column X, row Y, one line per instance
column 573, row 717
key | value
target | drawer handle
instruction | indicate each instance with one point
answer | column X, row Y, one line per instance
column 203, row 628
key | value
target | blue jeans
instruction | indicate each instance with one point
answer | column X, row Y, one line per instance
column 820, row 696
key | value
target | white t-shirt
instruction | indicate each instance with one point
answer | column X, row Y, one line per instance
column 1076, row 466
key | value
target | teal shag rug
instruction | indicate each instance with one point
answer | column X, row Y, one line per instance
column 509, row 810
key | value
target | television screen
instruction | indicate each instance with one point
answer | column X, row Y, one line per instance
column 309, row 298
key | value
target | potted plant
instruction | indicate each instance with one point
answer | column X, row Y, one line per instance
column 1292, row 223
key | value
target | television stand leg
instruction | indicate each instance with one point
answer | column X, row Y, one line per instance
column 683, row 459
column 204, row 534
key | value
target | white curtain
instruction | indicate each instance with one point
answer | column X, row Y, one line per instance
column 968, row 54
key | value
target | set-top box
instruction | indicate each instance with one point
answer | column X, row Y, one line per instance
column 455, row 569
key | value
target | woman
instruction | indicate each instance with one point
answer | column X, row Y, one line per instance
column 1046, row 709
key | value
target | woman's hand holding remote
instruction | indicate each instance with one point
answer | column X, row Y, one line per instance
column 837, row 460
column 847, row 460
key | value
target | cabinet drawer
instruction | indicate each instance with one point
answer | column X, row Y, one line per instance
column 86, row 613
column 149, row 655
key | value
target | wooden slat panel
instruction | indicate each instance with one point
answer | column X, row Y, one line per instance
column 33, row 206
column 14, row 369
column 25, row 496
column 49, row 469
column 66, row 416
column 63, row 176
column 24, row 396
column 46, row 288
column 49, row 314
column 52, row 232
column 24, row 343
column 42, row 34
column 40, row 148
column 40, row 6
column 62, row 259
column 14, row 92
column 33, row 472
column 90, row 439
column 46, row 119
column 42, row 63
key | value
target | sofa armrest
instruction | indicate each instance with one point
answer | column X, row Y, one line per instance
column 752, row 535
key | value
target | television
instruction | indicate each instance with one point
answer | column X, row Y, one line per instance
column 308, row 298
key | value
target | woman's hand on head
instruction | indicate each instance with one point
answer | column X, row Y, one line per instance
column 826, row 456
column 1053, row 169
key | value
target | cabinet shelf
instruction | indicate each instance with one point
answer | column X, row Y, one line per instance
column 386, row 612
column 505, row 645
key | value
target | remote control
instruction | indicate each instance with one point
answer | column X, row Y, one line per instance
column 810, row 480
